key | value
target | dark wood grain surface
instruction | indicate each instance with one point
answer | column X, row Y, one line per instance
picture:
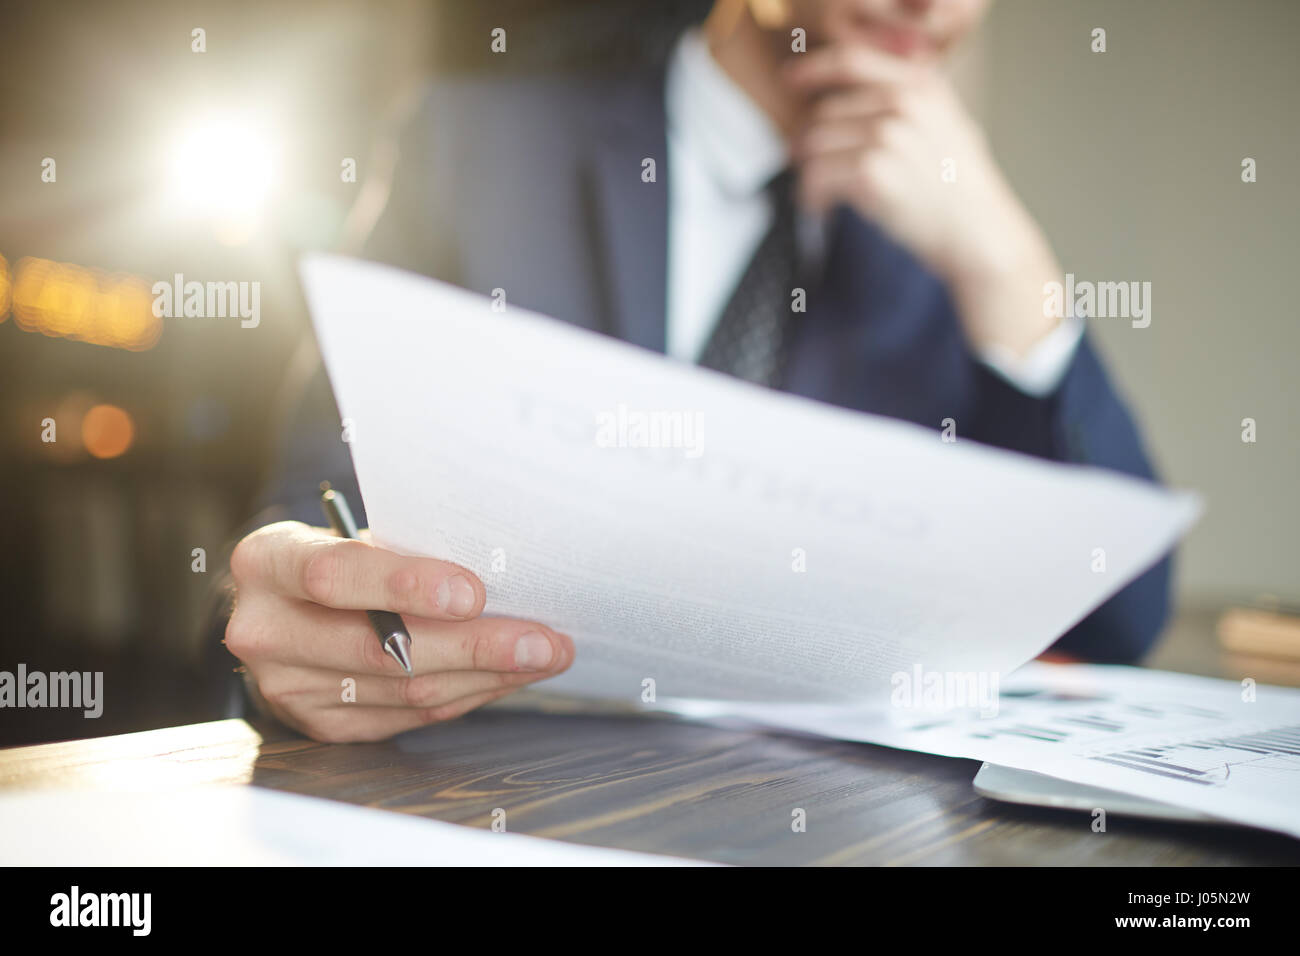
column 653, row 784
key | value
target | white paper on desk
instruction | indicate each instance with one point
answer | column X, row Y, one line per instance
column 253, row 826
column 1194, row 742
column 477, row 437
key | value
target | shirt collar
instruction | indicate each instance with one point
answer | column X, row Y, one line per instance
column 716, row 121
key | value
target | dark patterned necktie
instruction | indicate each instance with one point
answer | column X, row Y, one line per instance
column 750, row 338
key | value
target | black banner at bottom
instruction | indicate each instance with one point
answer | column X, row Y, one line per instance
column 334, row 906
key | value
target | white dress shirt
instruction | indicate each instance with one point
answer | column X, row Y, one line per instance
column 722, row 152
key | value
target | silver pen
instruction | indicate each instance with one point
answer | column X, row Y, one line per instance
column 388, row 627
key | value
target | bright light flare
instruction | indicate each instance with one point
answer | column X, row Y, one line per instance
column 223, row 168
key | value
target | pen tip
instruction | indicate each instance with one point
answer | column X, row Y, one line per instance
column 399, row 646
column 324, row 486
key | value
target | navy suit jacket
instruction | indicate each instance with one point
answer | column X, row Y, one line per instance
column 533, row 185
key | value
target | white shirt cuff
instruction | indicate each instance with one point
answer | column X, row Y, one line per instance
column 1040, row 371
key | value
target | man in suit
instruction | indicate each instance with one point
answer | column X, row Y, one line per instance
column 785, row 144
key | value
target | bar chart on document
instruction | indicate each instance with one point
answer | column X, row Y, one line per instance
column 1180, row 728
column 1213, row 760
column 1167, row 740
column 1227, row 749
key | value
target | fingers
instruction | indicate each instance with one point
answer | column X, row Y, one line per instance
column 846, row 65
column 299, row 626
column 867, row 102
column 265, row 627
column 312, row 564
column 831, row 136
column 349, row 705
column 303, row 689
column 357, row 724
column 866, row 116
column 860, row 163
column 830, row 178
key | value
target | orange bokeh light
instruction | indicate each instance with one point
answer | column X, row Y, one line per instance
column 5, row 285
column 107, row 431
column 61, row 299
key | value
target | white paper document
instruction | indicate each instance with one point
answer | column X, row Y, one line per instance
column 253, row 826
column 1226, row 749
column 719, row 539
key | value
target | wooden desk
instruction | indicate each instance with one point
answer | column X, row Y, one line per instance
column 653, row 784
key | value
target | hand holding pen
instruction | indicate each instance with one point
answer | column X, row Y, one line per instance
column 337, row 675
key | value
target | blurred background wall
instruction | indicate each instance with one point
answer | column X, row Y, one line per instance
column 1129, row 158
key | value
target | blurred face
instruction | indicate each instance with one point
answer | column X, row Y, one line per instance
column 913, row 29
